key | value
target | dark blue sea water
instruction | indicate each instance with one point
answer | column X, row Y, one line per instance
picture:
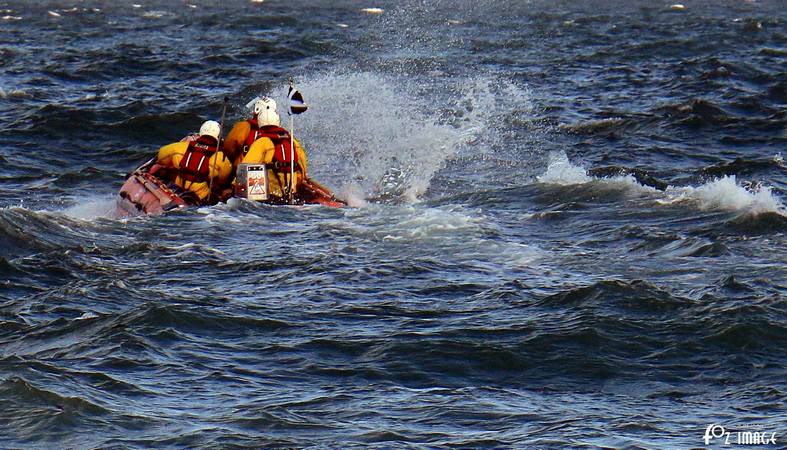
column 568, row 226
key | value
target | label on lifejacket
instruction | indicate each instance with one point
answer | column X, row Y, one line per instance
column 252, row 182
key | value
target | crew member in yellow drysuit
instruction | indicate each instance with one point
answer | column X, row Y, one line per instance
column 242, row 135
column 266, row 142
column 198, row 162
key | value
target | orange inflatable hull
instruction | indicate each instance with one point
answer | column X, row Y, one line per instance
column 312, row 192
column 143, row 193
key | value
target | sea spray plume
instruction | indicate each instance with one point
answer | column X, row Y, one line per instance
column 372, row 131
column 372, row 128
column 92, row 207
column 403, row 113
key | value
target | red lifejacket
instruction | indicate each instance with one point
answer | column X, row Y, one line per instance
column 195, row 164
column 281, row 144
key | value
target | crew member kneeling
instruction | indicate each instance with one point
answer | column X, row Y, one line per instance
column 198, row 162
column 268, row 143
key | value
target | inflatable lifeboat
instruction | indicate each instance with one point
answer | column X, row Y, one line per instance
column 146, row 191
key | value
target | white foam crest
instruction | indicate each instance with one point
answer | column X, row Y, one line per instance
column 459, row 232
column 154, row 14
column 431, row 223
column 223, row 212
column 13, row 93
column 191, row 248
column 411, row 224
column 562, row 172
column 727, row 194
column 87, row 316
column 92, row 208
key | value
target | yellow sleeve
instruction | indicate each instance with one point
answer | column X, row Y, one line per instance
column 170, row 155
column 260, row 152
column 233, row 144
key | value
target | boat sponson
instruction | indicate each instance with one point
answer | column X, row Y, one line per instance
column 146, row 194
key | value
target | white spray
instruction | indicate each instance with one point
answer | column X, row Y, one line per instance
column 370, row 135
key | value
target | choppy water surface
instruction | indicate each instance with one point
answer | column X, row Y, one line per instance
column 578, row 238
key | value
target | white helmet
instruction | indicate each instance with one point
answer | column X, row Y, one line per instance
column 268, row 117
column 210, row 128
column 264, row 104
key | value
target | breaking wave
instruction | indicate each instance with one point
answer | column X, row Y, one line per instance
column 562, row 172
column 726, row 193
column 13, row 93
